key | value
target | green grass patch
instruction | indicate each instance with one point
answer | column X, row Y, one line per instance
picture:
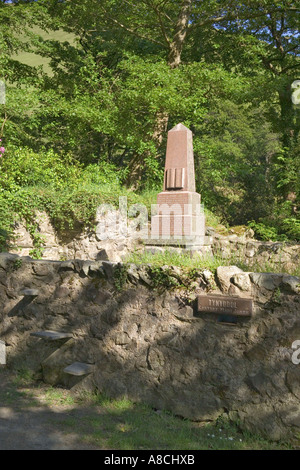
column 172, row 258
column 206, row 261
column 123, row 425
column 58, row 396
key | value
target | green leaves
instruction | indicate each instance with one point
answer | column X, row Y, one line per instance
column 100, row 95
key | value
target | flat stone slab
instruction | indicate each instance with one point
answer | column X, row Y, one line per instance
column 30, row 292
column 2, row 353
column 52, row 335
column 184, row 242
column 79, row 368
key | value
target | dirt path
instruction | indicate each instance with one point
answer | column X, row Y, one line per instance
column 27, row 422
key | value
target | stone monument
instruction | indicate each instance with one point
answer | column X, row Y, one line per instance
column 179, row 217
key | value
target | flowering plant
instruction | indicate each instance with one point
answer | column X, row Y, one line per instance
column 2, row 150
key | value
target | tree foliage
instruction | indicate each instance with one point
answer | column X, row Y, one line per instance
column 135, row 69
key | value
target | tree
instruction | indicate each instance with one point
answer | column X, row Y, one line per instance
column 136, row 69
column 17, row 20
column 171, row 27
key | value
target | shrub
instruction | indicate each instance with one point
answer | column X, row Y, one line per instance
column 263, row 231
column 291, row 225
column 21, row 167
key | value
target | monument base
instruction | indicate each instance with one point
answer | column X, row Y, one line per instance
column 189, row 243
column 179, row 216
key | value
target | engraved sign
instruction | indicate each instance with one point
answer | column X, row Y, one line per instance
column 225, row 304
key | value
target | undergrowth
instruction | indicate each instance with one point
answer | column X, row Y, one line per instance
column 70, row 194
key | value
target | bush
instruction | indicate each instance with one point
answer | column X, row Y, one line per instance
column 21, row 167
column 58, row 184
column 292, row 227
column 264, row 232
column 100, row 173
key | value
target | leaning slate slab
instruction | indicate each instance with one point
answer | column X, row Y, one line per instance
column 2, row 353
column 52, row 335
column 30, row 292
column 79, row 368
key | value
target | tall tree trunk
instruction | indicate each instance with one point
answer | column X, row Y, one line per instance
column 175, row 49
column 289, row 133
column 286, row 116
column 174, row 60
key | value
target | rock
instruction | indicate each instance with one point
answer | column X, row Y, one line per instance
column 121, row 338
column 233, row 290
column 85, row 267
column 185, row 314
column 144, row 276
column 262, row 417
column 67, row 266
column 101, row 297
column 210, row 231
column 40, row 268
column 250, row 250
column 242, row 281
column 109, row 268
column 291, row 283
column 249, row 233
column 30, row 292
column 293, row 381
column 112, row 314
column 207, row 275
column 102, row 255
column 6, row 259
column 233, row 238
column 61, row 292
column 225, row 275
column 2, row 353
column 261, row 383
column 269, row 281
column 79, row 368
column 133, row 274
column 175, row 271
column 97, row 268
column 291, row 416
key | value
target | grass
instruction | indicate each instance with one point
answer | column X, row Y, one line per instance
column 172, row 258
column 121, row 424
column 205, row 261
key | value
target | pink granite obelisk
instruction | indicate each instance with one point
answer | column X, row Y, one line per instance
column 179, row 217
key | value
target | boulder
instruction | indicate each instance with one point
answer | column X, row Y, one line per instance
column 225, row 276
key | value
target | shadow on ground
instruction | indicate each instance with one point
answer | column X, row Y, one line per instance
column 26, row 423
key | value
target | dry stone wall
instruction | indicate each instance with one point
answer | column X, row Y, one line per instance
column 92, row 245
column 150, row 344
column 280, row 255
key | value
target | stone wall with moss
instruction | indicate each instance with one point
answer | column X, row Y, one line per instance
column 239, row 245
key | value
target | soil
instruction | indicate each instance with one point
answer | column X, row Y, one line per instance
column 28, row 422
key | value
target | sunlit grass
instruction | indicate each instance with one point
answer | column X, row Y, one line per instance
column 206, row 261
column 173, row 258
column 58, row 396
column 122, row 424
